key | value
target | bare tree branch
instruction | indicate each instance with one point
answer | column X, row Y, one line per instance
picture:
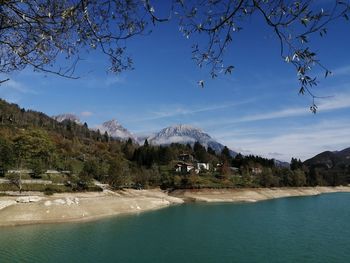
column 4, row 80
column 39, row 33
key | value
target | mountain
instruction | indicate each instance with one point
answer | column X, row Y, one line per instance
column 344, row 154
column 281, row 164
column 116, row 130
column 330, row 159
column 184, row 134
column 67, row 116
column 142, row 137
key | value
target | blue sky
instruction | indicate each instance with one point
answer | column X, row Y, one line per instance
column 255, row 110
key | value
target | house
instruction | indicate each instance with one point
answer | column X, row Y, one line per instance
column 185, row 157
column 183, row 167
column 203, row 166
column 188, row 163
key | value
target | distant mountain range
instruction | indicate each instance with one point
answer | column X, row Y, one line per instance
column 186, row 134
column 183, row 134
column 281, row 164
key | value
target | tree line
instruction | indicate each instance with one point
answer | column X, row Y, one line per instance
column 33, row 140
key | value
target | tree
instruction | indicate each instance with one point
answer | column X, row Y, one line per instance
column 128, row 149
column 33, row 145
column 16, row 179
column 267, row 179
column 37, row 167
column 295, row 23
column 105, row 137
column 39, row 33
column 285, row 176
column 225, row 153
column 238, row 160
column 90, row 170
column 211, row 151
column 117, row 173
column 165, row 155
column 6, row 155
column 200, row 152
column 296, row 164
column 299, row 178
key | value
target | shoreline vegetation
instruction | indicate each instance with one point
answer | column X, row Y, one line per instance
column 40, row 153
column 37, row 208
column 61, row 171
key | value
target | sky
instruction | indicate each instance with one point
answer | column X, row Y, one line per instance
column 256, row 110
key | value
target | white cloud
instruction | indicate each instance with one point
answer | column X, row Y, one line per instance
column 342, row 71
column 13, row 90
column 339, row 101
column 283, row 113
column 178, row 110
column 276, row 154
column 175, row 139
column 304, row 142
column 336, row 102
column 86, row 113
column 13, row 85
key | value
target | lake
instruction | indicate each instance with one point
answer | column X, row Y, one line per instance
column 298, row 229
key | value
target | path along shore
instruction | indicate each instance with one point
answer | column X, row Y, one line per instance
column 34, row 208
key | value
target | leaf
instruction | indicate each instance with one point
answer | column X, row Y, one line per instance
column 304, row 21
column 327, row 73
column 201, row 83
column 313, row 108
column 303, row 39
column 229, row 69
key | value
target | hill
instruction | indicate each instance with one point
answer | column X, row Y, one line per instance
column 330, row 159
column 332, row 168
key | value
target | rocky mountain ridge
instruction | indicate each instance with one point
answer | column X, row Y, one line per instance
column 186, row 134
column 116, row 130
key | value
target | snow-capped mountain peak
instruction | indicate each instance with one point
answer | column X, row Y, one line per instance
column 184, row 131
column 116, row 130
column 185, row 134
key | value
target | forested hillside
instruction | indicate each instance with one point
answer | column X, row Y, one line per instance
column 33, row 141
column 331, row 168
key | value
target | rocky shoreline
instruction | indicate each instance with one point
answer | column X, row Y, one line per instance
column 69, row 207
column 253, row 194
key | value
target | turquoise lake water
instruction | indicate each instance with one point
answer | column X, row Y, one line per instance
column 298, row 229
